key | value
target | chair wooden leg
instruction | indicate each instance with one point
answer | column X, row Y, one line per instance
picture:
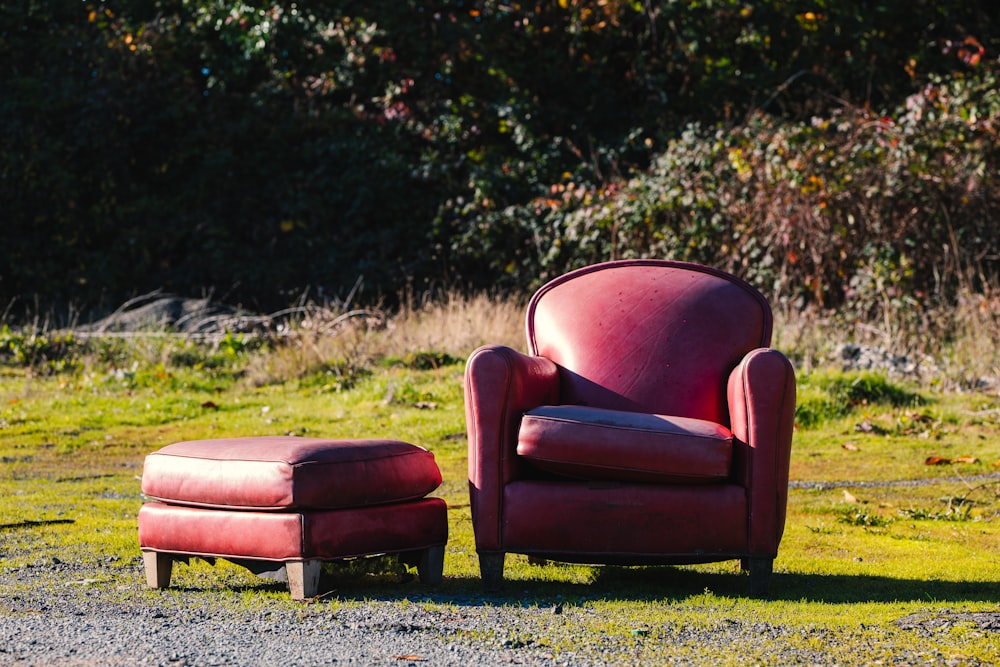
column 760, row 568
column 430, row 566
column 303, row 578
column 158, row 568
column 491, row 570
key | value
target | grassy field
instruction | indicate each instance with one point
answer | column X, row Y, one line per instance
column 891, row 553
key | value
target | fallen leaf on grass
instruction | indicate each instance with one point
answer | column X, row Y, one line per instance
column 941, row 460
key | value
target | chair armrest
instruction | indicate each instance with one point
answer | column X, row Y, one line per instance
column 501, row 384
column 761, row 395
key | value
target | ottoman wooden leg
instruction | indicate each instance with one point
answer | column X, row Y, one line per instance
column 303, row 578
column 430, row 567
column 158, row 568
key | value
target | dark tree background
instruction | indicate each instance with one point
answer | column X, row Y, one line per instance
column 259, row 149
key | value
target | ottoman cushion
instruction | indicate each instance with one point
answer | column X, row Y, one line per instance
column 283, row 536
column 287, row 472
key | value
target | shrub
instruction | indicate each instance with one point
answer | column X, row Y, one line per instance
column 873, row 214
column 824, row 396
column 45, row 352
column 257, row 148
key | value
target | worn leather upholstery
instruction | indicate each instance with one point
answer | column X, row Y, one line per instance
column 282, row 505
column 649, row 422
column 593, row 443
column 284, row 536
column 287, row 472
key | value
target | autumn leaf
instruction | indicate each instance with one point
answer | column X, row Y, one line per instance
column 971, row 51
column 940, row 460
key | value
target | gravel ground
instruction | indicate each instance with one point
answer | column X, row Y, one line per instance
column 73, row 615
column 126, row 634
column 112, row 621
column 860, row 484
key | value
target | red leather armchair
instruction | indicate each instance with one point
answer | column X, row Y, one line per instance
column 649, row 423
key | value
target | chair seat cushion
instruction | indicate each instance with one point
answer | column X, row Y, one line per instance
column 599, row 444
column 286, row 472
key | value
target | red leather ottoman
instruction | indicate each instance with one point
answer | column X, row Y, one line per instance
column 283, row 502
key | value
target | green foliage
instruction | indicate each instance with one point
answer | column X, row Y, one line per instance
column 335, row 375
column 425, row 360
column 873, row 213
column 258, row 147
column 157, row 360
column 959, row 513
column 187, row 146
column 234, row 346
column 853, row 515
column 979, row 502
column 826, row 396
column 51, row 352
column 868, row 389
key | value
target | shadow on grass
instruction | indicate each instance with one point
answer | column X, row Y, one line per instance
column 669, row 584
column 679, row 584
column 390, row 582
column 867, row 588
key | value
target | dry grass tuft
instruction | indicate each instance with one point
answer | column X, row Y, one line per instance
column 456, row 325
column 345, row 347
column 953, row 347
column 968, row 348
column 942, row 346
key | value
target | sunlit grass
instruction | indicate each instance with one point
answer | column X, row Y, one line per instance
column 863, row 546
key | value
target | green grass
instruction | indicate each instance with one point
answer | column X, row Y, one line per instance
column 861, row 553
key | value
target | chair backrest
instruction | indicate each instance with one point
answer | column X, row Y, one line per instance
column 648, row 335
